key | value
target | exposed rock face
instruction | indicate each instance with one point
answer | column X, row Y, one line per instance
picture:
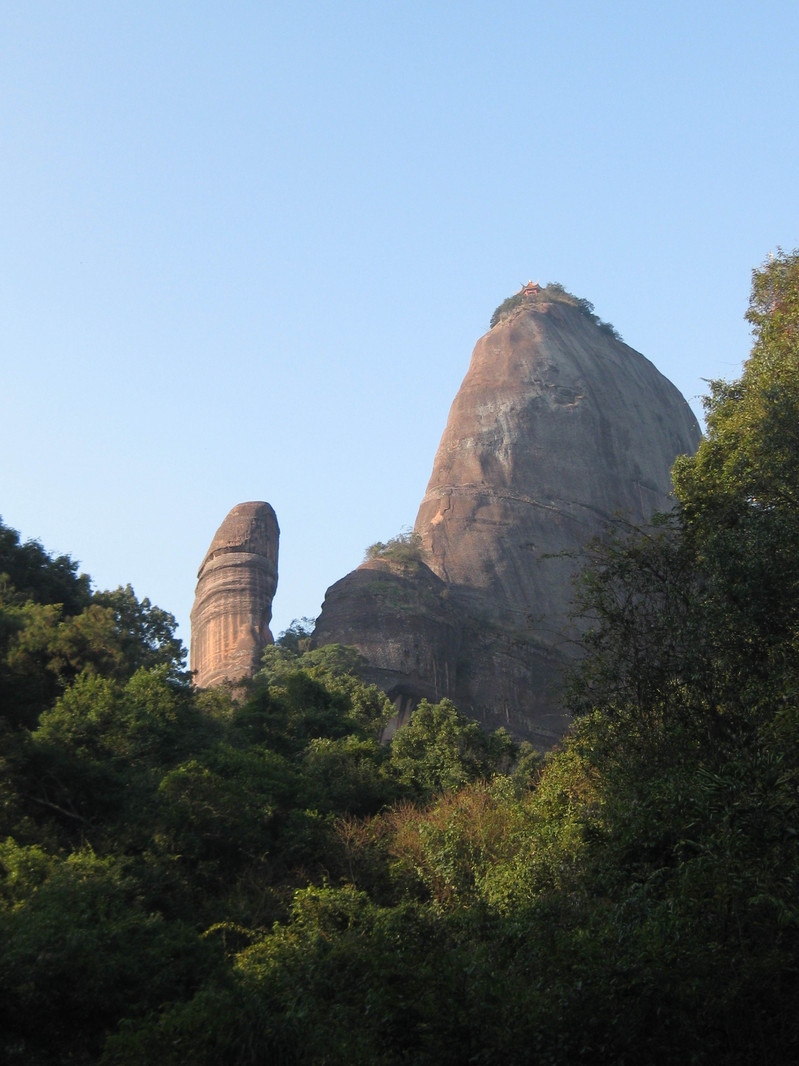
column 233, row 603
column 557, row 428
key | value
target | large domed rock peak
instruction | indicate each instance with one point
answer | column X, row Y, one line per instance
column 558, row 430
column 236, row 584
column 557, row 427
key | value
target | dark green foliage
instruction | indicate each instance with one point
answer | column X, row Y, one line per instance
column 52, row 629
column 692, row 743
column 144, row 633
column 78, row 950
column 440, row 749
column 297, row 637
column 36, row 575
column 343, row 982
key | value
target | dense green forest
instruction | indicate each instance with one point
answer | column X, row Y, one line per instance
column 189, row 878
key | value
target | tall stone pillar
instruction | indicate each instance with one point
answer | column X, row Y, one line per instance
column 232, row 608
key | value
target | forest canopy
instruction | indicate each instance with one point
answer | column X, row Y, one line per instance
column 189, row 878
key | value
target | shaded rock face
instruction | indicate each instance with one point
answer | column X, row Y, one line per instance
column 557, row 428
column 402, row 621
column 232, row 608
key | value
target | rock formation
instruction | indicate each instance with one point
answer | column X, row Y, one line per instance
column 399, row 616
column 557, row 429
column 233, row 603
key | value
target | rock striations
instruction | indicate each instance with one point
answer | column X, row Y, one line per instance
column 233, row 602
column 557, row 429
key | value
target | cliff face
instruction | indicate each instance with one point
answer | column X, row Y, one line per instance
column 557, row 428
column 401, row 619
column 236, row 584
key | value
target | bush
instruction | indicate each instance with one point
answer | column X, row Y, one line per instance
column 405, row 548
column 505, row 309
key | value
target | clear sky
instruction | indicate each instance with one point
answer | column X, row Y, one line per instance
column 247, row 248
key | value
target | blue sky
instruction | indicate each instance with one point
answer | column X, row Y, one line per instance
column 247, row 248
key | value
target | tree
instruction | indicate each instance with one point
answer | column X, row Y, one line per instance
column 146, row 633
column 441, row 749
column 739, row 497
column 297, row 637
column 79, row 950
column 37, row 575
column 698, row 618
column 690, row 731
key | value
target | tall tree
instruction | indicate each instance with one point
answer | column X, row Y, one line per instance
column 739, row 496
column 701, row 614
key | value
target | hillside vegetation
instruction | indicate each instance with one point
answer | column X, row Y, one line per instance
column 189, row 879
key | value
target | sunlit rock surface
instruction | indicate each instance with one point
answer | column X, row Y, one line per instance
column 232, row 608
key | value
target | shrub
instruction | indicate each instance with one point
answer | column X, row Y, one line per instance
column 405, row 548
column 505, row 309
